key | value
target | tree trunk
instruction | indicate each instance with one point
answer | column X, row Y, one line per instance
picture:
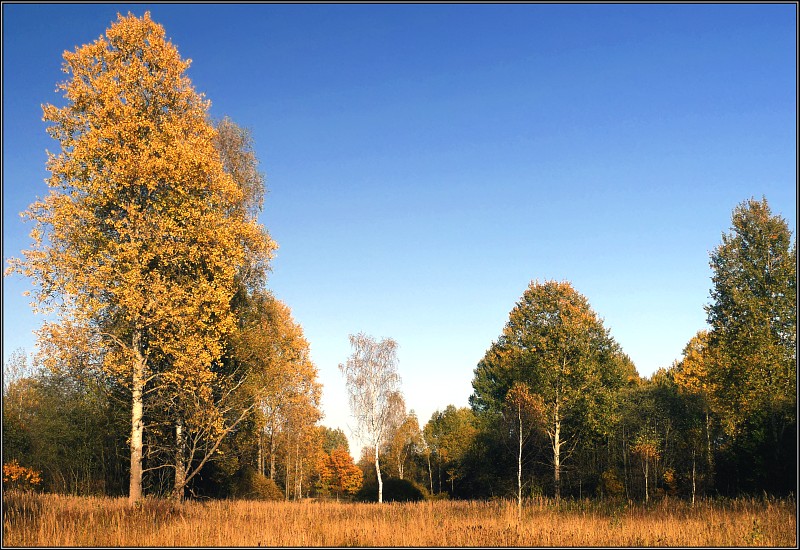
column 378, row 472
column 300, row 480
column 272, row 454
column 693, row 477
column 286, row 484
column 646, row 475
column 180, row 461
column 430, row 473
column 625, row 463
column 261, row 451
column 297, row 486
column 137, row 425
column 557, row 455
column 400, row 464
column 709, row 455
column 519, row 465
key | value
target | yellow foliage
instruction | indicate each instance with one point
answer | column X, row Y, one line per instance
column 141, row 233
column 144, row 238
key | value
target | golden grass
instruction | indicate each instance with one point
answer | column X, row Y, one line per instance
column 54, row 520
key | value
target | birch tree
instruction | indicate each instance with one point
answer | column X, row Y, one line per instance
column 403, row 442
column 524, row 413
column 557, row 345
column 753, row 319
column 372, row 385
column 137, row 246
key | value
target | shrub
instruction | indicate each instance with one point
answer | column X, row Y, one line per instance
column 20, row 477
column 394, row 490
column 251, row 485
column 671, row 481
column 612, row 486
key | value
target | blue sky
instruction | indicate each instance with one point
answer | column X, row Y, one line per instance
column 426, row 162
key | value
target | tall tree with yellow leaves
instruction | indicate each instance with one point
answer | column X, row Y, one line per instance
column 271, row 343
column 403, row 441
column 139, row 242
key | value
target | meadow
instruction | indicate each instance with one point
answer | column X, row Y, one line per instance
column 31, row 519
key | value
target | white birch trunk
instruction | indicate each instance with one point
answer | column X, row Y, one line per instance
column 137, row 426
column 261, row 451
column 557, row 453
column 180, row 461
column 378, row 472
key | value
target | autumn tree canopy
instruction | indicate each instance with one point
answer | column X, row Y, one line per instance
column 138, row 244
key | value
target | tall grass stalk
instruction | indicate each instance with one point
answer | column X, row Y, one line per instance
column 53, row 520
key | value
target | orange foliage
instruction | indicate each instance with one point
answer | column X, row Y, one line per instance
column 20, row 476
column 338, row 472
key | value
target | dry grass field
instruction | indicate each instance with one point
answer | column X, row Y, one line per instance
column 54, row 520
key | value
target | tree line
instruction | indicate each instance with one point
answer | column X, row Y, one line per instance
column 166, row 366
column 558, row 409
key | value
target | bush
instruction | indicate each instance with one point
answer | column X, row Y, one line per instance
column 394, row 490
column 251, row 485
column 20, row 477
column 612, row 486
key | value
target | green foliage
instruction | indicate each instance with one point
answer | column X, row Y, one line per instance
column 753, row 315
column 450, row 435
column 554, row 343
column 67, row 428
column 753, row 338
column 557, row 347
column 334, row 439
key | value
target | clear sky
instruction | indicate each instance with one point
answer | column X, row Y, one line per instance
column 425, row 162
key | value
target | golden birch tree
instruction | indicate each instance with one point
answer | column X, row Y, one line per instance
column 271, row 343
column 201, row 422
column 137, row 246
